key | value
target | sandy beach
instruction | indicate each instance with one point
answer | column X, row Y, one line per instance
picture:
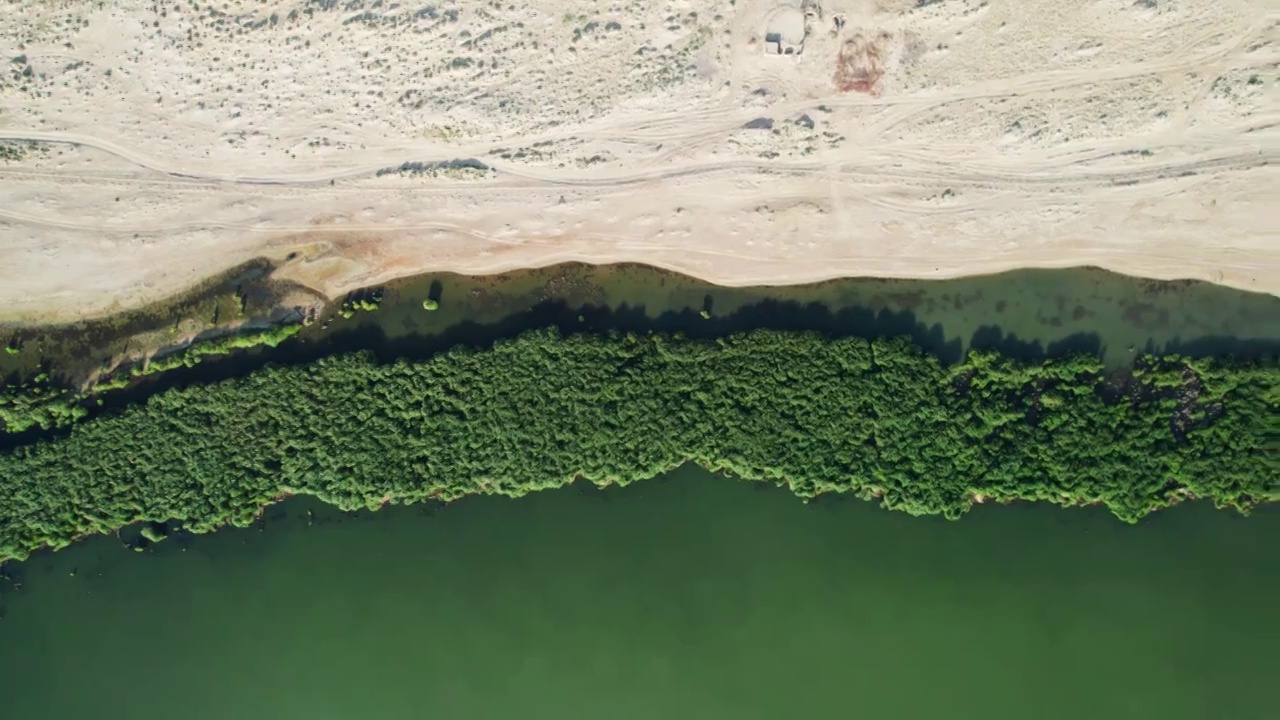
column 146, row 146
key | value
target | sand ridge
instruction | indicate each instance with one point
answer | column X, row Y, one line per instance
column 147, row 145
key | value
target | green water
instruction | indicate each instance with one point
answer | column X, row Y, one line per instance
column 689, row 596
column 1025, row 313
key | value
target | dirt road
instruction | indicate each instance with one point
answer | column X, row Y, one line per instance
column 145, row 146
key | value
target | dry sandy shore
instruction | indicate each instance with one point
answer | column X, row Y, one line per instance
column 148, row 144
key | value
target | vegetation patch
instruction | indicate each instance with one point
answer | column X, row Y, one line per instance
column 878, row 419
column 361, row 301
column 42, row 403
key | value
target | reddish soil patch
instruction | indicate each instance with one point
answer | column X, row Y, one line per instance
column 860, row 65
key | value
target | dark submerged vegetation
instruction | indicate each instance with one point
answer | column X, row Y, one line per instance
column 879, row 419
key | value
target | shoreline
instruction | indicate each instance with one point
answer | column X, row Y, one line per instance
column 1117, row 310
column 56, row 375
column 333, row 277
column 174, row 527
column 1244, row 277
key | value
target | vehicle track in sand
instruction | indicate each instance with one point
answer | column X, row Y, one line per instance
column 1149, row 151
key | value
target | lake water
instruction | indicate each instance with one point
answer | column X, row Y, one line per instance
column 688, row 596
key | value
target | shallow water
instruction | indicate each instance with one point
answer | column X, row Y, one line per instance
column 1026, row 313
column 1029, row 314
column 689, row 596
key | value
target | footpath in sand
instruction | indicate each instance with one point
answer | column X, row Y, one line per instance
column 147, row 145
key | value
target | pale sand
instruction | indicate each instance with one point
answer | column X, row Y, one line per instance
column 1135, row 136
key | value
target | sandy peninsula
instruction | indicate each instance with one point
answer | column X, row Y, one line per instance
column 147, row 145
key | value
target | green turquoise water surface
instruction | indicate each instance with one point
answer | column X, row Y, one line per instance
column 688, row 596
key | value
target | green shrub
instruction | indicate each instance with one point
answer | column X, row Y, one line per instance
column 880, row 419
